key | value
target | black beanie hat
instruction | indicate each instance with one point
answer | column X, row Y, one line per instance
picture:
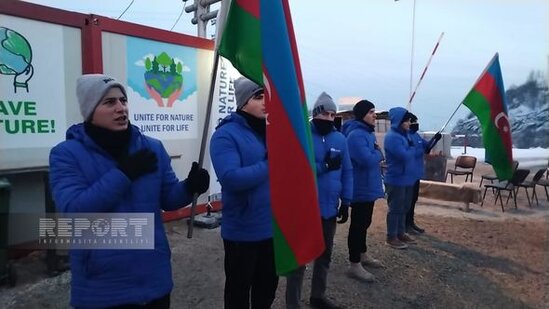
column 362, row 108
column 413, row 118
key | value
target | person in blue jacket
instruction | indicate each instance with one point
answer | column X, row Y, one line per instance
column 399, row 177
column 335, row 185
column 239, row 156
column 366, row 158
column 106, row 165
column 422, row 147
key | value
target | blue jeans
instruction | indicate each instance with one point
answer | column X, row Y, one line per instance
column 399, row 200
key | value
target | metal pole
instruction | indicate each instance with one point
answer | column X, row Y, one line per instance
column 444, row 126
column 412, row 50
column 424, row 71
column 205, row 133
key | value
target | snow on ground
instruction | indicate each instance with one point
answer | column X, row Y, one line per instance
column 527, row 158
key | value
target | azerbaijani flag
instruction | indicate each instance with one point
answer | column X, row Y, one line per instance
column 487, row 101
column 258, row 39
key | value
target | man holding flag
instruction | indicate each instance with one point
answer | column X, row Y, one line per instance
column 258, row 39
column 239, row 157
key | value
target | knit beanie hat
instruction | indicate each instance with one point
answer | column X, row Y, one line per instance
column 91, row 88
column 413, row 118
column 324, row 103
column 244, row 89
column 362, row 108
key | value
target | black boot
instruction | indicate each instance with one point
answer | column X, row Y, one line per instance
column 417, row 228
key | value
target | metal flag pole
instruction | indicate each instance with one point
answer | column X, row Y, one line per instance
column 205, row 133
column 220, row 23
column 424, row 71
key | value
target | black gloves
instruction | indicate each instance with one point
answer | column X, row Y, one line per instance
column 138, row 164
column 438, row 136
column 332, row 163
column 198, row 180
column 343, row 213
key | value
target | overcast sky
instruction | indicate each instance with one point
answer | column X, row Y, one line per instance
column 363, row 48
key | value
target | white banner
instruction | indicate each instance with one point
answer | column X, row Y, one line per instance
column 224, row 104
column 32, row 83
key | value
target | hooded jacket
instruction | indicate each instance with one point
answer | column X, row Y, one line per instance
column 85, row 178
column 366, row 159
column 399, row 153
column 238, row 156
column 332, row 185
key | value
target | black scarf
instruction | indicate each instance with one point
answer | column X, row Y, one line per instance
column 414, row 127
column 115, row 143
column 323, row 126
column 371, row 127
column 257, row 124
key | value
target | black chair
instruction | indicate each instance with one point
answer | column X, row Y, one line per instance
column 544, row 183
column 527, row 184
column 464, row 166
column 493, row 177
column 518, row 177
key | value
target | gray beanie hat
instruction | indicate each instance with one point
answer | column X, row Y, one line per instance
column 91, row 88
column 324, row 103
column 244, row 89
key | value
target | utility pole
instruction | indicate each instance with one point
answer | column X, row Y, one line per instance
column 202, row 15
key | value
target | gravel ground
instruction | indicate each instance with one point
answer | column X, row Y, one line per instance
column 480, row 259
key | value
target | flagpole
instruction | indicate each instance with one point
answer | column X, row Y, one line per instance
column 452, row 116
column 424, row 71
column 478, row 78
column 205, row 133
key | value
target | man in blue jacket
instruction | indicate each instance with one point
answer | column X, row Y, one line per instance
column 422, row 147
column 106, row 165
column 399, row 177
column 334, row 183
column 366, row 158
column 239, row 156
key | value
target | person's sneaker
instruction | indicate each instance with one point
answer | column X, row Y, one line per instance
column 396, row 243
column 366, row 259
column 323, row 303
column 418, row 229
column 410, row 230
column 406, row 239
column 358, row 272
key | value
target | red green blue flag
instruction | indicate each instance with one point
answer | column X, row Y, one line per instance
column 488, row 102
column 259, row 40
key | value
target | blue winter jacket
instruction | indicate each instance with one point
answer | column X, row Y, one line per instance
column 418, row 168
column 85, row 178
column 239, row 158
column 366, row 160
column 400, row 156
column 332, row 185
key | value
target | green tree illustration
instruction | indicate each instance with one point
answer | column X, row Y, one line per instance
column 155, row 65
column 173, row 68
column 179, row 68
column 164, row 60
column 148, row 64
